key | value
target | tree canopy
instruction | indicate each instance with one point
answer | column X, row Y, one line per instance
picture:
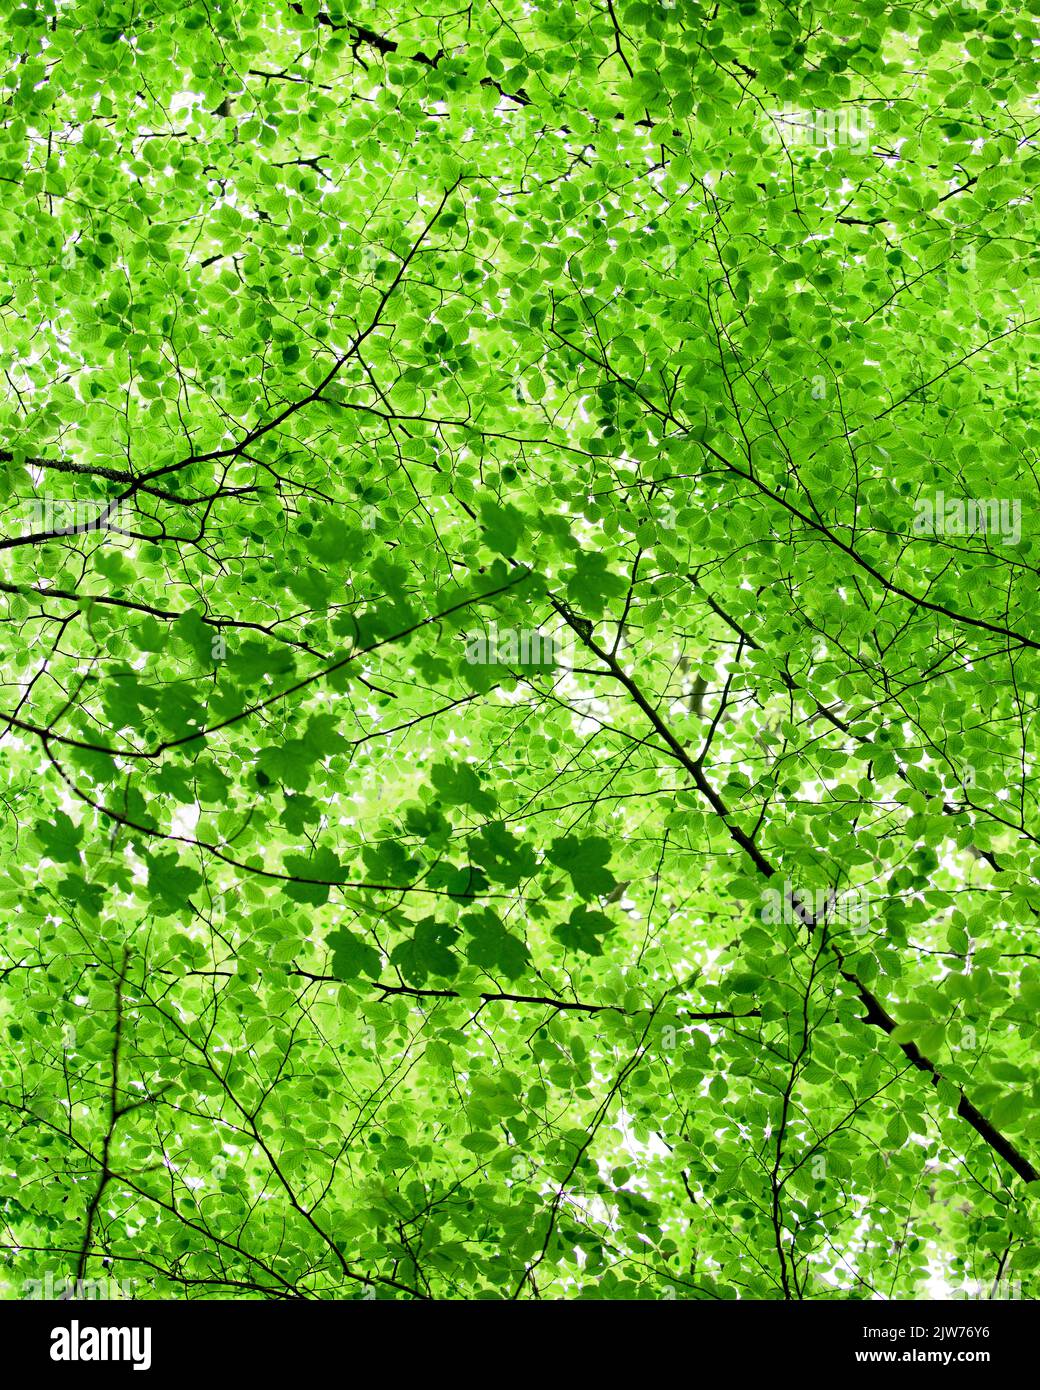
column 519, row 648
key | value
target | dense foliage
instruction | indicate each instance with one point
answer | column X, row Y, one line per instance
column 519, row 648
